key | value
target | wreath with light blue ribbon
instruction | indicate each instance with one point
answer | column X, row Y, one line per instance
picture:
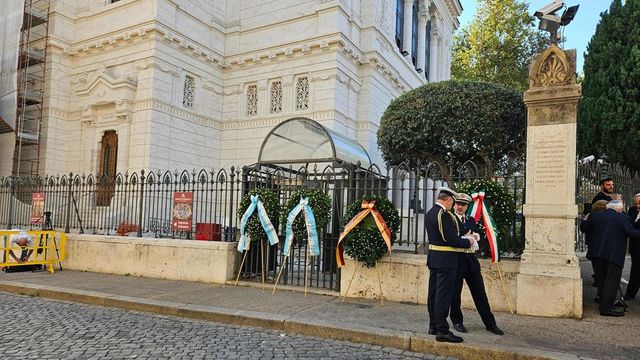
column 253, row 226
column 320, row 204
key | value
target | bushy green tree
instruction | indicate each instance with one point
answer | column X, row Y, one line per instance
column 609, row 116
column 456, row 120
column 498, row 44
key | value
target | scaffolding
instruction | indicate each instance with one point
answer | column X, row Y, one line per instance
column 31, row 74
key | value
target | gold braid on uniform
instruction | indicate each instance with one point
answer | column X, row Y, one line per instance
column 455, row 221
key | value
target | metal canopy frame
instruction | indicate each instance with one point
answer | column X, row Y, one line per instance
column 301, row 141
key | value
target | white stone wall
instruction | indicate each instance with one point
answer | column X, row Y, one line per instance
column 123, row 66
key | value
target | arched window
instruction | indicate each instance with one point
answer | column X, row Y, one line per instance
column 399, row 22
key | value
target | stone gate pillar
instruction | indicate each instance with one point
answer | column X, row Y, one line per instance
column 549, row 282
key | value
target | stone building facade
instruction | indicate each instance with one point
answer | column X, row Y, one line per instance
column 181, row 84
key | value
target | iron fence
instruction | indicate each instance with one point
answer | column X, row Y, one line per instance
column 143, row 204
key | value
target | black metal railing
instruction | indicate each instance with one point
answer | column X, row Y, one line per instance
column 142, row 204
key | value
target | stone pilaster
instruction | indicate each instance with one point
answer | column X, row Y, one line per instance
column 549, row 282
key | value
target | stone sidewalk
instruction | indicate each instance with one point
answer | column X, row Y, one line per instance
column 402, row 326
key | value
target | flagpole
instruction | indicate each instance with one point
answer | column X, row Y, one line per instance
column 504, row 289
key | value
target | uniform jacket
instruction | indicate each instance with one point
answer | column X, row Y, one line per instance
column 468, row 223
column 438, row 219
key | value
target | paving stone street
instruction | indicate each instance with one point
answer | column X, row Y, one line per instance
column 36, row 328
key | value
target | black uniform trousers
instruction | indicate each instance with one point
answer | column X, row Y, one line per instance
column 634, row 277
column 469, row 271
column 609, row 282
column 441, row 284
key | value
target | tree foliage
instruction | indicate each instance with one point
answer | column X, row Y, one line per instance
column 454, row 120
column 498, row 44
column 609, row 116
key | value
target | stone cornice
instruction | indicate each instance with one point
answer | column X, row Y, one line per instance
column 272, row 121
column 169, row 109
column 382, row 66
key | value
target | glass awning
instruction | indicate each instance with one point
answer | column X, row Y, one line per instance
column 305, row 141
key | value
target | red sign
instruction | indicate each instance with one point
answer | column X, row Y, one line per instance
column 182, row 211
column 37, row 208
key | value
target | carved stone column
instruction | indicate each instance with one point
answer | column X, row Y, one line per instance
column 549, row 282
column 406, row 28
column 433, row 54
column 422, row 39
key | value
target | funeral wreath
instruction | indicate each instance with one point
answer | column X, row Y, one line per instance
column 270, row 201
column 365, row 242
column 320, row 206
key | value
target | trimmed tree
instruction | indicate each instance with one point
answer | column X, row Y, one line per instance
column 456, row 120
column 498, row 44
column 610, row 108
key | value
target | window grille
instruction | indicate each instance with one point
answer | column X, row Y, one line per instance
column 252, row 100
column 188, row 92
column 302, row 93
column 276, row 97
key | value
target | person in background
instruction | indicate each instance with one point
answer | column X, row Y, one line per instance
column 606, row 190
column 634, row 251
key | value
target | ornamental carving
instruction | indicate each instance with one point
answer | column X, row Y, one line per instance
column 276, row 97
column 252, row 100
column 552, row 68
column 302, row 93
column 188, row 92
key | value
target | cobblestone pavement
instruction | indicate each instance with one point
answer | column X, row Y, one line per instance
column 36, row 328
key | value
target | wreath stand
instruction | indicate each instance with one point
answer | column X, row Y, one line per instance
column 284, row 262
column 262, row 266
column 351, row 281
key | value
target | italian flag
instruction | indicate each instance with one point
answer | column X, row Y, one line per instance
column 479, row 210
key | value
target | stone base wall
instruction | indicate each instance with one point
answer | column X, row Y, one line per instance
column 191, row 260
column 407, row 280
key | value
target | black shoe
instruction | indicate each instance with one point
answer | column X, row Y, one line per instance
column 450, row 337
column 432, row 332
column 611, row 312
column 495, row 329
column 460, row 328
column 597, row 299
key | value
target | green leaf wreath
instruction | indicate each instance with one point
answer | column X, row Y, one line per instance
column 270, row 200
column 365, row 243
column 320, row 205
column 502, row 205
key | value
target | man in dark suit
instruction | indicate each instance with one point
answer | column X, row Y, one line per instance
column 610, row 229
column 444, row 243
column 634, row 251
column 469, row 271
column 606, row 190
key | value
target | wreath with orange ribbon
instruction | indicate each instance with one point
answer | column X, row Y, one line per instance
column 369, row 230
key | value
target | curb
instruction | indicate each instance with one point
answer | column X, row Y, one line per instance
column 403, row 340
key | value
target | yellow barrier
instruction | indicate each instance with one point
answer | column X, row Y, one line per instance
column 52, row 244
